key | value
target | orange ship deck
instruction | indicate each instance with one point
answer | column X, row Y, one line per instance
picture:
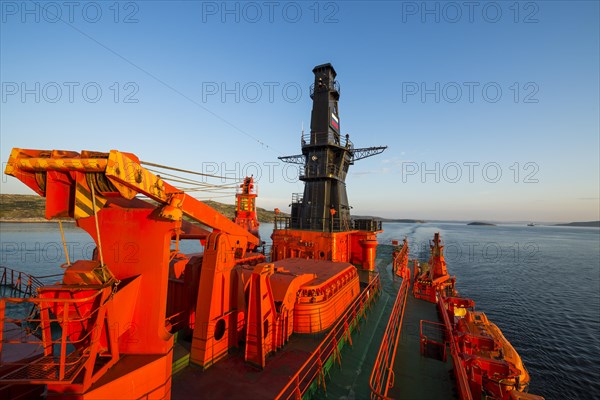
column 232, row 378
column 418, row 377
column 324, row 270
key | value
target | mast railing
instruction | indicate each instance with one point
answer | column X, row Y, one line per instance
column 318, row 138
column 371, row 225
column 338, row 224
column 329, row 170
column 324, row 88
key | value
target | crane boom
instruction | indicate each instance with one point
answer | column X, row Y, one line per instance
column 124, row 174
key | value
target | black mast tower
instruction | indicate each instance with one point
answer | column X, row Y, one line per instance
column 326, row 157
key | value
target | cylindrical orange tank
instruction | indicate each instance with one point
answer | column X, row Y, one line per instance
column 369, row 247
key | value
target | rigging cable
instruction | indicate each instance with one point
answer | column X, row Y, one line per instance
column 62, row 234
column 185, row 170
column 162, row 174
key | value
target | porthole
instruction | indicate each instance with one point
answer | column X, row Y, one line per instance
column 220, row 329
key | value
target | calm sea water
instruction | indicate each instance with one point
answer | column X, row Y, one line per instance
column 540, row 285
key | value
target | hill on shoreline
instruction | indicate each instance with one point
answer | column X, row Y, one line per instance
column 589, row 224
column 32, row 208
column 22, row 207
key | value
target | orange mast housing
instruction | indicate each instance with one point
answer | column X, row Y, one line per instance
column 245, row 206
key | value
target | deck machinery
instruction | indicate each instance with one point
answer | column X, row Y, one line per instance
column 107, row 328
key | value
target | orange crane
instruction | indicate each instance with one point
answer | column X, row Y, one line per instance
column 54, row 174
column 117, row 311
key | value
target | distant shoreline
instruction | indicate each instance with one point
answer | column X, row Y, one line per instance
column 35, row 220
column 17, row 208
column 586, row 224
column 402, row 221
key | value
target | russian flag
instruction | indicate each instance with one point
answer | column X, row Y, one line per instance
column 335, row 122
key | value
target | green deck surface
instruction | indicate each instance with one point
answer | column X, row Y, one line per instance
column 416, row 377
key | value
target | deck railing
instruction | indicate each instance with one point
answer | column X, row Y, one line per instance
column 462, row 381
column 382, row 375
column 315, row 367
column 18, row 284
column 53, row 358
column 433, row 337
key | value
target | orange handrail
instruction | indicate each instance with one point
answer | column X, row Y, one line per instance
column 19, row 282
column 382, row 375
column 59, row 358
column 460, row 372
column 313, row 367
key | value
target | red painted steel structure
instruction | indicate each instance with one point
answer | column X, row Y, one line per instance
column 245, row 211
column 433, row 277
column 356, row 246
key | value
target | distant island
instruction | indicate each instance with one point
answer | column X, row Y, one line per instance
column 589, row 224
column 476, row 223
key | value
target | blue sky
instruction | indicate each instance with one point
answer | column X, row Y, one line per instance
column 490, row 110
